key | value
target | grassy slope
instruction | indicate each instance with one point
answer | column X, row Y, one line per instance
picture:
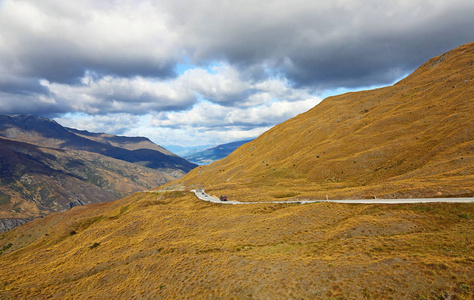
column 172, row 245
column 413, row 139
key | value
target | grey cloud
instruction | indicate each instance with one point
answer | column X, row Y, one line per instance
column 20, row 86
column 65, row 62
column 247, row 118
column 377, row 59
column 26, row 104
column 313, row 44
column 141, row 95
column 204, row 123
column 58, row 42
column 117, row 124
column 329, row 44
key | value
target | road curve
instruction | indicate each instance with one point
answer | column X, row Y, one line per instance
column 203, row 196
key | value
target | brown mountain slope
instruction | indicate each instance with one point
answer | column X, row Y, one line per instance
column 45, row 167
column 36, row 180
column 413, row 139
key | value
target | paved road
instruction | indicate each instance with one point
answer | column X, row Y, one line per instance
column 203, row 196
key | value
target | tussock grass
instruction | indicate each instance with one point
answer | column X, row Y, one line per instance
column 184, row 247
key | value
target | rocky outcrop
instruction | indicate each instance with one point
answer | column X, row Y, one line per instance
column 7, row 224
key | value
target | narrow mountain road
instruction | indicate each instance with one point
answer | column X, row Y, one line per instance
column 203, row 196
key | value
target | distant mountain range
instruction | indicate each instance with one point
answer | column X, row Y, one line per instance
column 213, row 154
column 45, row 167
column 186, row 151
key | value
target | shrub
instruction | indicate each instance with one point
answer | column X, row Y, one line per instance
column 5, row 248
column 464, row 288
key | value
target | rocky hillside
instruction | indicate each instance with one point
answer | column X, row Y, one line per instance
column 45, row 167
column 412, row 139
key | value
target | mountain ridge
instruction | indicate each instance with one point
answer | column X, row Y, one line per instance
column 129, row 143
column 51, row 134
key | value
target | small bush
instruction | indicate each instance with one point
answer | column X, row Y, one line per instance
column 175, row 194
column 95, row 245
column 366, row 294
column 466, row 216
column 4, row 198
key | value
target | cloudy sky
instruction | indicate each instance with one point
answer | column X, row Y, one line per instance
column 195, row 72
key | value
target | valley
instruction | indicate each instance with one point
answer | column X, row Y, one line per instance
column 409, row 141
column 213, row 154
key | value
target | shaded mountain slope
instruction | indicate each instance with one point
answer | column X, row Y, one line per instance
column 37, row 180
column 210, row 155
column 413, row 139
column 129, row 143
column 45, row 167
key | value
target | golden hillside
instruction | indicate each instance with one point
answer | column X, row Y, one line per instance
column 412, row 139
column 170, row 245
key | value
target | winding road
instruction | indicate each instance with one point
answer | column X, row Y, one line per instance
column 203, row 196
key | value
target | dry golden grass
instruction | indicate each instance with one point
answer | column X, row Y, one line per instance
column 413, row 139
column 172, row 245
